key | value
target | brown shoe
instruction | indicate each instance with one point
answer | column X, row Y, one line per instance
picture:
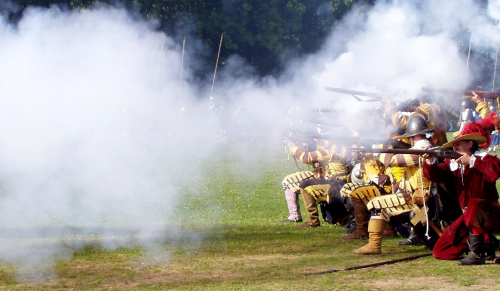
column 308, row 224
column 356, row 235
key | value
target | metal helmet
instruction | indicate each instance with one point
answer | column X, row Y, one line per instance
column 417, row 125
column 356, row 174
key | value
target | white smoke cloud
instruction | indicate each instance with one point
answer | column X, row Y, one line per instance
column 397, row 47
column 92, row 132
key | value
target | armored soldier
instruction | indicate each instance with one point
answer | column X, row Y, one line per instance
column 431, row 112
column 413, row 192
column 323, row 189
column 368, row 181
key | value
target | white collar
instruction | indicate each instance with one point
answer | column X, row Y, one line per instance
column 423, row 143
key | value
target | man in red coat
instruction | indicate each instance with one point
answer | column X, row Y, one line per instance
column 474, row 175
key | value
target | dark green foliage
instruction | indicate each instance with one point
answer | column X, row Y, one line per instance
column 265, row 32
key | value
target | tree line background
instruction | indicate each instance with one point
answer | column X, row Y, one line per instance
column 266, row 33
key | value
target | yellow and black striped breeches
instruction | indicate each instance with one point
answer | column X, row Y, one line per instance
column 360, row 192
column 318, row 188
column 389, row 205
column 293, row 181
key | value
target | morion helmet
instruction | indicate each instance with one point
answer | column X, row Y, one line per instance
column 417, row 125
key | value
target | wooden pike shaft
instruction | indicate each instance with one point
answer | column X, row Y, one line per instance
column 465, row 81
column 182, row 59
column 495, row 72
column 216, row 64
column 372, row 265
column 158, row 66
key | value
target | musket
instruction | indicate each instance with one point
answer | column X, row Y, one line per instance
column 326, row 109
column 439, row 153
column 343, row 140
column 375, row 96
column 460, row 93
column 370, row 141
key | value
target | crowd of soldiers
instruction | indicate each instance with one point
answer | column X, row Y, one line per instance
column 449, row 205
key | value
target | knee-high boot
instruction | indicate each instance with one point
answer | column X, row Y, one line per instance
column 476, row 248
column 361, row 216
column 292, row 200
column 312, row 210
column 376, row 227
column 490, row 247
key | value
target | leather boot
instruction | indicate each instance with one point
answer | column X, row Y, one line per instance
column 311, row 207
column 352, row 224
column 476, row 248
column 362, row 216
column 412, row 240
column 344, row 221
column 376, row 227
column 292, row 200
column 389, row 231
column 491, row 248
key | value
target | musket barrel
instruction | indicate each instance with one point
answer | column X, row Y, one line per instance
column 354, row 92
column 460, row 93
column 432, row 153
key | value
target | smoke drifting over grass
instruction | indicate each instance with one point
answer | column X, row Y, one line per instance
column 92, row 132
column 93, row 141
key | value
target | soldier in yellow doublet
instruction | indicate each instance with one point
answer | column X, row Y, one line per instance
column 412, row 186
column 319, row 158
column 320, row 190
column 371, row 183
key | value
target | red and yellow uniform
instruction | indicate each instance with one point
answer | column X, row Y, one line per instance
column 314, row 191
column 412, row 180
column 320, row 158
column 431, row 112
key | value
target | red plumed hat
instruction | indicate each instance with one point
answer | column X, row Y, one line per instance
column 478, row 132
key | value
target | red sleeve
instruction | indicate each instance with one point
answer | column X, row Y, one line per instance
column 489, row 166
column 438, row 173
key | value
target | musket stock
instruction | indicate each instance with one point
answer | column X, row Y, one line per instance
column 433, row 153
column 460, row 93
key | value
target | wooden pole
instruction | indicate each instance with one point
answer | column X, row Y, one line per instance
column 182, row 59
column 158, row 66
column 216, row 64
column 465, row 84
column 372, row 265
column 495, row 72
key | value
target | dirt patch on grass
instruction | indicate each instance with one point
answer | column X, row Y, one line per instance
column 431, row 283
column 182, row 272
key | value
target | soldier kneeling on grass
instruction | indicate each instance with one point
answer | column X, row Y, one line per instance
column 411, row 203
column 324, row 188
column 474, row 175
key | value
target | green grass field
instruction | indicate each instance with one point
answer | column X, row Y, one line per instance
column 228, row 236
